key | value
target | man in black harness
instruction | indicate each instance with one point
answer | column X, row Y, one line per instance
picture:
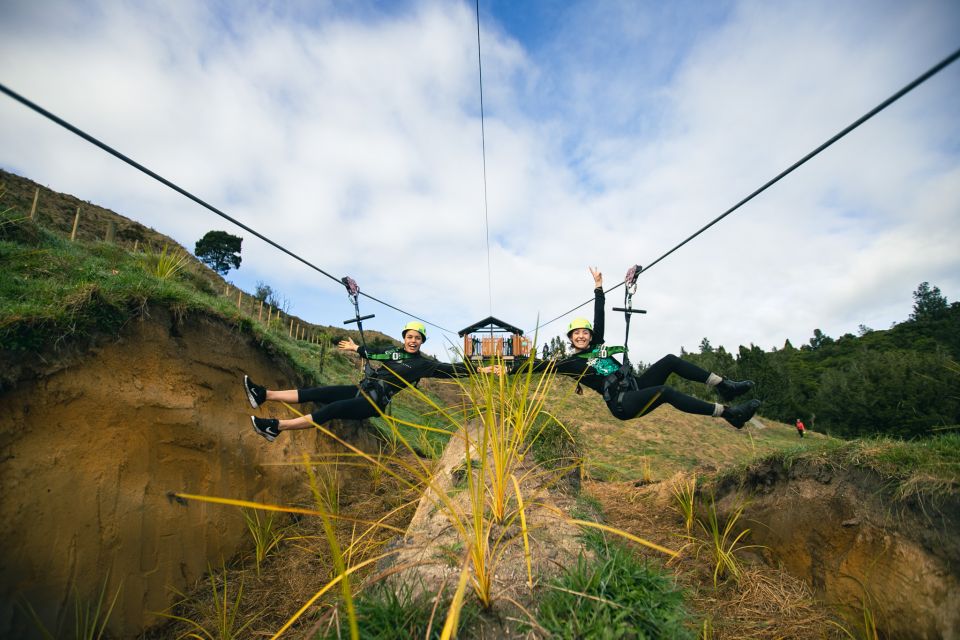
column 356, row 402
column 630, row 396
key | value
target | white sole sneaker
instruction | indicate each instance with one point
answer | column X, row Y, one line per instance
column 250, row 396
column 266, row 434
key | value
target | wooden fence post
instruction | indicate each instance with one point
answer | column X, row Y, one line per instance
column 33, row 208
column 290, row 333
column 260, row 312
column 111, row 232
column 239, row 297
column 76, row 221
column 136, row 244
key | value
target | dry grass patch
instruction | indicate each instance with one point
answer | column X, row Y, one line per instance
column 765, row 603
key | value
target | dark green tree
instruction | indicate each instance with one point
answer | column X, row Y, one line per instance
column 928, row 303
column 819, row 339
column 219, row 250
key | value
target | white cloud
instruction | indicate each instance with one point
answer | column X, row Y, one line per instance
column 354, row 139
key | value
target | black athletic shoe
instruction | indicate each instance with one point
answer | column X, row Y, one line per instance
column 740, row 414
column 269, row 428
column 256, row 394
column 730, row 389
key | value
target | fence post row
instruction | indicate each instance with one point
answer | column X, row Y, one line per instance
column 302, row 333
column 76, row 221
column 33, row 208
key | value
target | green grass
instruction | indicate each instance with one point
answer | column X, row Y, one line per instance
column 387, row 613
column 555, row 445
column 614, row 595
column 406, row 407
column 926, row 469
column 54, row 293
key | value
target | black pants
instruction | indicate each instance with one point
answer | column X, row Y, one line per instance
column 340, row 403
column 651, row 391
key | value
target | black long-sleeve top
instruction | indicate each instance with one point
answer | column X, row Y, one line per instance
column 591, row 371
column 412, row 367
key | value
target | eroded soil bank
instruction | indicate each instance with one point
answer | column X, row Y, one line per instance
column 93, row 449
column 845, row 532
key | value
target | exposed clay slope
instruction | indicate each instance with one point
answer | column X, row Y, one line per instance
column 91, row 451
column 843, row 532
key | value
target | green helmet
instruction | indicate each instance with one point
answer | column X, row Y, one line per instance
column 416, row 326
column 579, row 323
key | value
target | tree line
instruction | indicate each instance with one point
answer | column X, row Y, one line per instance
column 903, row 382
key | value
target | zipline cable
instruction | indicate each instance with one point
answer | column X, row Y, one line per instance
column 859, row 121
column 483, row 146
column 136, row 165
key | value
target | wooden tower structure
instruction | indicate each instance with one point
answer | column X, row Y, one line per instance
column 492, row 338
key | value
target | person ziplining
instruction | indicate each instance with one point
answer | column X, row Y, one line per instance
column 628, row 395
column 371, row 396
column 367, row 399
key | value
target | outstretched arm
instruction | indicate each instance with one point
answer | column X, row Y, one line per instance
column 598, row 302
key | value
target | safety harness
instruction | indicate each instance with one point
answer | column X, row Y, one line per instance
column 370, row 384
column 619, row 380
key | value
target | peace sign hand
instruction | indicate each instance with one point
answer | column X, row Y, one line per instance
column 597, row 277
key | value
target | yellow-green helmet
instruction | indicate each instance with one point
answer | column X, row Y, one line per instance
column 416, row 326
column 579, row 323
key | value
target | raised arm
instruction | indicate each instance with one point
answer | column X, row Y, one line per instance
column 598, row 302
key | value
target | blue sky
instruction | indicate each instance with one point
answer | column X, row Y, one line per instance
column 350, row 132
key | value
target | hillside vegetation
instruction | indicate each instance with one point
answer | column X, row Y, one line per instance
column 903, row 381
column 67, row 305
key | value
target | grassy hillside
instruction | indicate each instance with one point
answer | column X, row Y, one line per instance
column 666, row 441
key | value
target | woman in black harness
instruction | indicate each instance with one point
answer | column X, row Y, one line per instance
column 630, row 396
column 346, row 402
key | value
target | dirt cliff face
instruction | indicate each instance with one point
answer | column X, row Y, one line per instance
column 843, row 532
column 92, row 451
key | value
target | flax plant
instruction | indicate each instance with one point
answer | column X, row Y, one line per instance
column 325, row 485
column 223, row 612
column 338, row 563
column 266, row 536
column 90, row 619
column 684, row 489
column 723, row 545
column 168, row 264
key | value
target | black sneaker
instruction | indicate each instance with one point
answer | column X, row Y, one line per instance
column 256, row 394
column 740, row 414
column 269, row 428
column 730, row 389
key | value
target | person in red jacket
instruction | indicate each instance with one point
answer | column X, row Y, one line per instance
column 800, row 428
